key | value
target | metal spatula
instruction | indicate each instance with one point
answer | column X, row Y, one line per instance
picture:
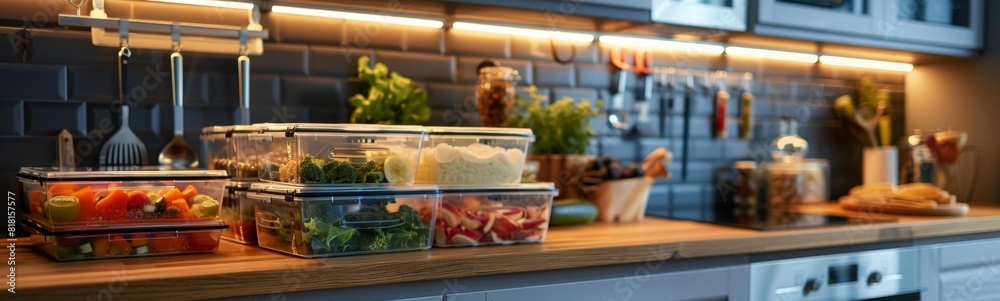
column 123, row 148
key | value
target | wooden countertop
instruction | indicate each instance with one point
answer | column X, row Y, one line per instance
column 237, row 270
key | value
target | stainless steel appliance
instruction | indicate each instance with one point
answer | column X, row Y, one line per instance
column 890, row 274
column 730, row 15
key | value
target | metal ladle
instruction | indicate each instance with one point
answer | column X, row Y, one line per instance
column 178, row 153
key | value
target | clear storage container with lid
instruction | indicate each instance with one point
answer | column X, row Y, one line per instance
column 338, row 154
column 494, row 214
column 229, row 148
column 802, row 182
column 121, row 198
column 473, row 155
column 310, row 221
column 74, row 246
column 238, row 213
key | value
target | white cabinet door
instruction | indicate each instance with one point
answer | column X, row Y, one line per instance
column 708, row 284
column 953, row 23
column 969, row 271
column 855, row 17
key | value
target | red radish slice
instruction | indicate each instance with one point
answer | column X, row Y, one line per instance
column 488, row 226
column 471, row 220
column 532, row 211
column 486, row 239
column 462, row 240
column 497, row 238
column 514, row 213
column 473, row 234
column 520, row 235
column 506, row 224
column 532, row 223
column 451, row 215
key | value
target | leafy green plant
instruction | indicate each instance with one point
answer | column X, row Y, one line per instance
column 561, row 127
column 392, row 98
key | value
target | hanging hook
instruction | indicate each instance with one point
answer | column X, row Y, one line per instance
column 175, row 37
column 244, row 49
column 123, row 37
column 555, row 54
column 78, row 5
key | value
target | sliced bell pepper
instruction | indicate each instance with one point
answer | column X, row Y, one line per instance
column 88, row 206
column 112, row 207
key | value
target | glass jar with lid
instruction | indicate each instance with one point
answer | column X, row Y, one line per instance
column 495, row 92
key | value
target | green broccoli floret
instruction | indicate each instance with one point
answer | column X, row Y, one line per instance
column 311, row 173
column 368, row 167
column 375, row 177
column 314, row 160
column 340, row 172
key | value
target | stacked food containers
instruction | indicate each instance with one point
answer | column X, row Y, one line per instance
column 229, row 148
column 87, row 214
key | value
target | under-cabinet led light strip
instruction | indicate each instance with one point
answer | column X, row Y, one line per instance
column 523, row 31
column 663, row 44
column 212, row 3
column 771, row 54
column 863, row 63
column 337, row 14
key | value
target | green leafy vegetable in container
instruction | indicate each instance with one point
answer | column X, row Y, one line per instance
column 392, row 98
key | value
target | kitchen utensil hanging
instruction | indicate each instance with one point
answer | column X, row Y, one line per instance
column 67, row 157
column 123, row 148
column 721, row 100
column 177, row 153
column 555, row 53
column 243, row 67
column 746, row 107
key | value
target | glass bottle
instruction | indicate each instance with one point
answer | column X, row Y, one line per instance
column 495, row 95
column 789, row 147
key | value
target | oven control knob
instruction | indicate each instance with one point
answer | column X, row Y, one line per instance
column 874, row 278
column 812, row 285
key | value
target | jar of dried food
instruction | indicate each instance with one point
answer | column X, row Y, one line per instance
column 495, row 94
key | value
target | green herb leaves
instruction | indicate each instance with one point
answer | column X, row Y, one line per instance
column 561, row 127
column 392, row 98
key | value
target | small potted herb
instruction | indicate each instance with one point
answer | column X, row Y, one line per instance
column 562, row 136
column 392, row 98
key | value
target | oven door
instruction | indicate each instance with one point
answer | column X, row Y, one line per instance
column 890, row 274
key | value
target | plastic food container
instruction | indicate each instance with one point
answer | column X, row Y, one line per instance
column 229, row 148
column 495, row 214
column 473, row 155
column 338, row 154
column 238, row 214
column 804, row 182
column 309, row 221
column 142, row 197
column 71, row 246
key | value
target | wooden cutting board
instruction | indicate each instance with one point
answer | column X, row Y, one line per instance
column 956, row 209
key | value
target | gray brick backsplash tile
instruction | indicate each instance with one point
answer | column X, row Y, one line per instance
column 336, row 61
column 13, row 122
column 623, row 149
column 89, row 84
column 28, row 151
column 701, row 127
column 686, row 196
column 312, row 91
column 467, row 73
column 454, row 97
column 700, row 172
column 196, row 118
column 462, row 42
column 554, row 74
column 33, row 81
column 282, row 59
column 50, row 48
column 48, row 118
column 588, row 54
column 265, row 90
column 7, row 53
column 577, row 94
column 419, row 66
column 522, row 90
column 703, row 104
column 594, row 76
column 454, row 118
column 422, row 39
column 373, row 35
column 307, row 30
column 737, row 149
column 705, row 149
column 659, row 199
column 149, row 82
column 536, row 49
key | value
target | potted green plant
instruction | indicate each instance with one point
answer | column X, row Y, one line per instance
column 562, row 135
column 392, row 98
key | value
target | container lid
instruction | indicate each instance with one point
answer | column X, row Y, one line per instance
column 804, row 165
column 479, row 131
column 228, row 130
column 291, row 128
column 487, row 188
column 238, row 185
column 298, row 190
column 40, row 227
column 120, row 173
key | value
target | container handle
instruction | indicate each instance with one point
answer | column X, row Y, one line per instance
column 274, row 224
column 371, row 220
